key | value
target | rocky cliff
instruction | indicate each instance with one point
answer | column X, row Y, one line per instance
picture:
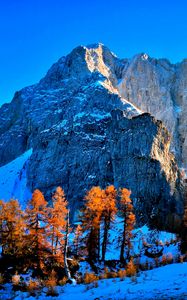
column 86, row 124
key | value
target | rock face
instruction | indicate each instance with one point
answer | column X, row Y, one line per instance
column 141, row 159
column 160, row 88
column 85, row 123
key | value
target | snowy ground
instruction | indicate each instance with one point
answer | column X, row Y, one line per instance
column 13, row 179
column 141, row 235
column 161, row 283
column 169, row 282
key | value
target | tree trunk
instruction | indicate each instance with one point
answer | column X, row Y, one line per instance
column 123, row 244
column 52, row 241
column 66, row 267
column 37, row 243
column 56, row 245
column 93, row 244
column 105, row 236
column 98, row 250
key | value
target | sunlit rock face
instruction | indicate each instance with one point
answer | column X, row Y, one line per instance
column 149, row 83
column 86, row 123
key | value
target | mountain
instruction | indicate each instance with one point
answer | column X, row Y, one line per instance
column 88, row 122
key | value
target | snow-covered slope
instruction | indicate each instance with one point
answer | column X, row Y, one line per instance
column 161, row 283
column 167, row 282
column 13, row 181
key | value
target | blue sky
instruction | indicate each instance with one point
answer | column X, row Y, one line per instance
column 35, row 33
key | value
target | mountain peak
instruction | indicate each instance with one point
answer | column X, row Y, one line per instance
column 83, row 62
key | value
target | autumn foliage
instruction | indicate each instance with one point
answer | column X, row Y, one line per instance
column 90, row 277
column 12, row 228
column 39, row 236
column 91, row 221
column 108, row 214
column 56, row 225
column 36, row 225
column 99, row 212
column 128, row 223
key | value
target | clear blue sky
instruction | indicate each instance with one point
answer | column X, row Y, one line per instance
column 35, row 33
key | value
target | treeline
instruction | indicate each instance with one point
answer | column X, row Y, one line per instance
column 39, row 236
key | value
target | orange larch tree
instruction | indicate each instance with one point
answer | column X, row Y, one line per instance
column 59, row 228
column 3, row 228
column 57, row 220
column 91, row 220
column 36, row 222
column 12, row 228
column 129, row 220
column 108, row 213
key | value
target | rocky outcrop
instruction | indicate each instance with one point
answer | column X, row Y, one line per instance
column 143, row 163
column 111, row 149
column 85, row 123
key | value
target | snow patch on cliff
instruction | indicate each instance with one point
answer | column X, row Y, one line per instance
column 13, row 180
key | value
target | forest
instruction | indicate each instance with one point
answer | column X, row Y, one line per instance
column 41, row 242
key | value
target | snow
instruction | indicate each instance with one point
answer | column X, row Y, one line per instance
column 169, row 282
column 140, row 235
column 13, row 181
column 145, row 56
column 177, row 109
column 62, row 124
column 57, row 126
column 94, row 115
column 92, row 176
column 79, row 115
column 80, row 97
column 129, row 107
column 162, row 282
column 58, row 111
column 97, row 84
